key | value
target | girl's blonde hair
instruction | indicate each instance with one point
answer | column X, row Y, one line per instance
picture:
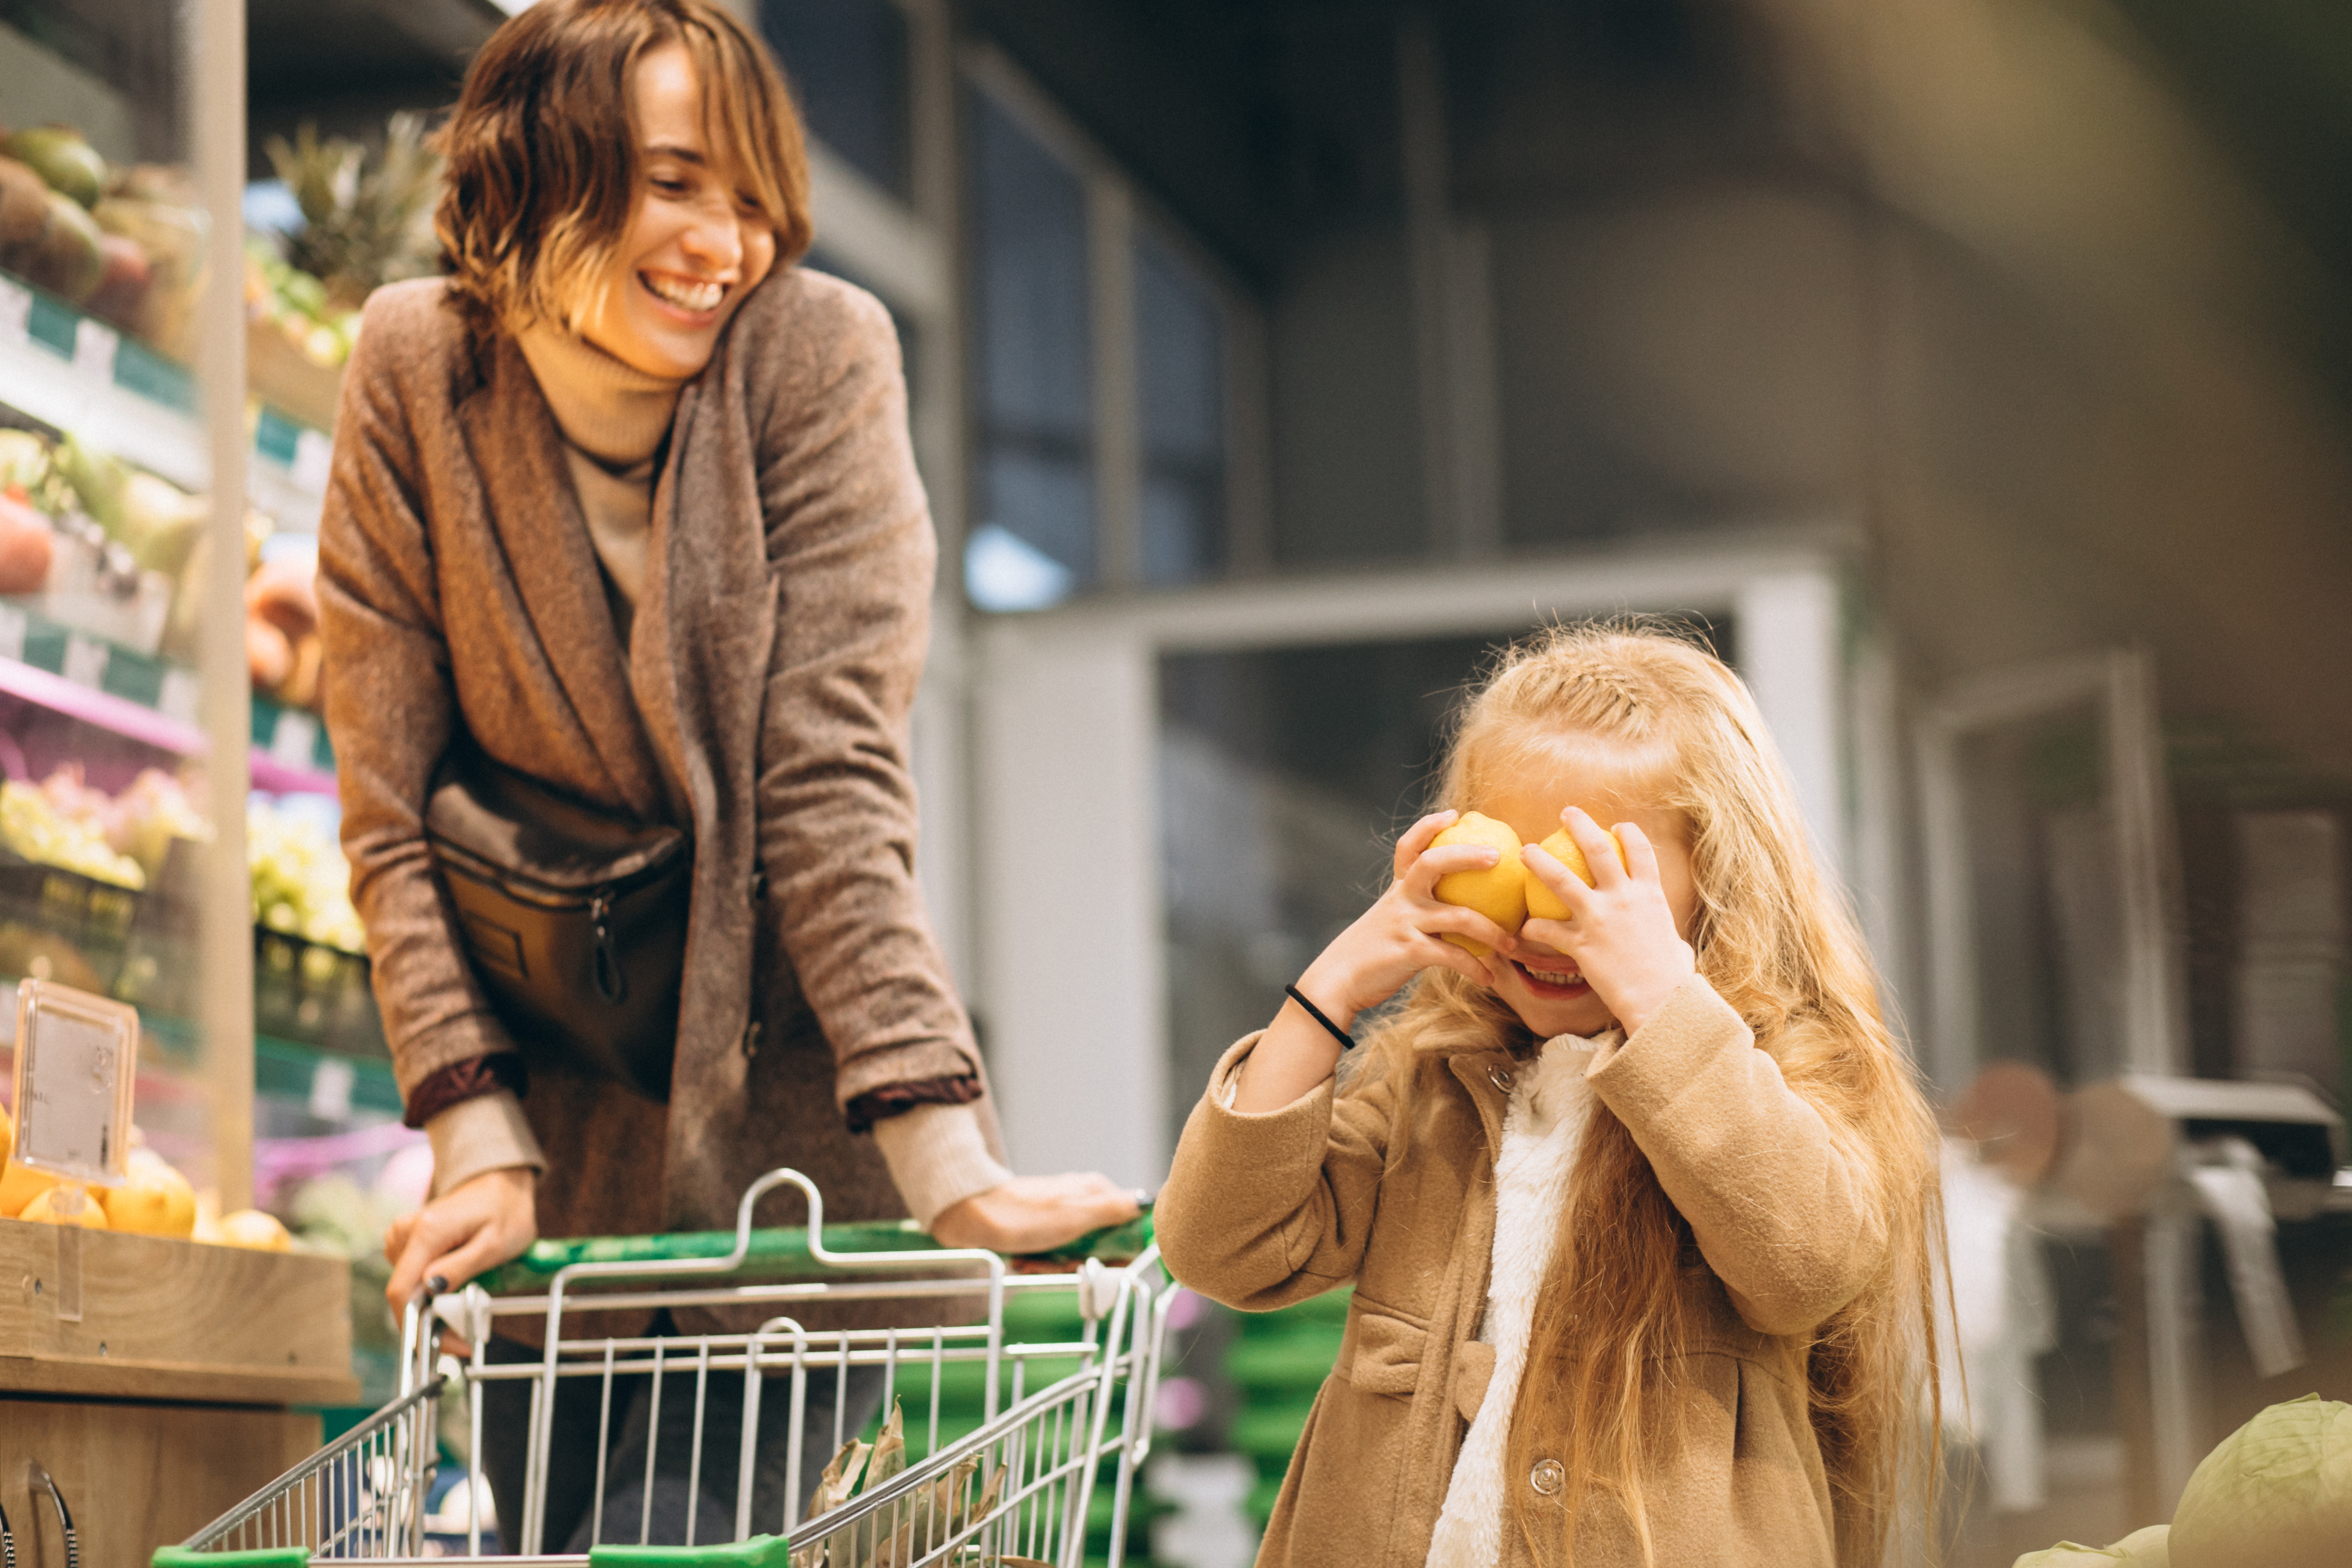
column 1679, row 732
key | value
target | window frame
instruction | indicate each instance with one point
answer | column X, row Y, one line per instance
column 1118, row 211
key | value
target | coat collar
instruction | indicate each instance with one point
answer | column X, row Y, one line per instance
column 545, row 538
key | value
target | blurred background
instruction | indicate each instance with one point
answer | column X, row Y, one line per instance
column 1972, row 375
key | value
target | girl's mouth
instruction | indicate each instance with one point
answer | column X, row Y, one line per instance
column 1554, row 984
column 688, row 296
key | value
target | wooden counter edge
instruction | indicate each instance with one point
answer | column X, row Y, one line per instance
column 172, row 1382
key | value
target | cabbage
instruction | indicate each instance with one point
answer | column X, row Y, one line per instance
column 2277, row 1492
column 2140, row 1549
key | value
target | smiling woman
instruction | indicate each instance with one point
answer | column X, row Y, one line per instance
column 573, row 483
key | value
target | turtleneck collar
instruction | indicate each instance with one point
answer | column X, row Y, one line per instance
column 611, row 410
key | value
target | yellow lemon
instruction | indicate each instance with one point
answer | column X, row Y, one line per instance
column 51, row 1208
column 1542, row 903
column 1500, row 893
column 154, row 1200
column 255, row 1230
column 18, row 1187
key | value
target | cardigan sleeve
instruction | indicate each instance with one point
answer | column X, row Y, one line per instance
column 1781, row 1206
column 850, row 546
column 391, row 709
column 1263, row 1209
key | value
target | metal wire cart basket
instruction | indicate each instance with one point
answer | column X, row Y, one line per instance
column 1063, row 1422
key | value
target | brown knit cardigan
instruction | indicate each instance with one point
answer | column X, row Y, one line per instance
column 774, row 657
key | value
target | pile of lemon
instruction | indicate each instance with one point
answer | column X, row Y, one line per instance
column 153, row 1200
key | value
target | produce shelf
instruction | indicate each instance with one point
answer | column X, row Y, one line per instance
column 80, row 376
column 152, row 700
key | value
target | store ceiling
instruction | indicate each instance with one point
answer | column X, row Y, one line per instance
column 311, row 50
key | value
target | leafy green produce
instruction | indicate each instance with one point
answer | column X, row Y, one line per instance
column 32, row 825
column 301, row 883
column 2277, row 1492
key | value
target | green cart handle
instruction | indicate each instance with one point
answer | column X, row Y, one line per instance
column 783, row 1250
column 760, row 1552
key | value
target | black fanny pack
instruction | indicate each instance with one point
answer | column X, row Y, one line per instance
column 575, row 919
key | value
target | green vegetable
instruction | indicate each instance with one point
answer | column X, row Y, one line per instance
column 2277, row 1492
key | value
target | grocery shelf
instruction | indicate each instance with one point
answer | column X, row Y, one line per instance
column 152, row 700
column 79, row 375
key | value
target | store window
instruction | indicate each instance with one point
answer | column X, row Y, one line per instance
column 847, row 63
column 1034, row 539
column 1180, row 326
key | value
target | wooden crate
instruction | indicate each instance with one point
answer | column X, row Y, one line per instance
column 137, row 1477
column 96, row 1313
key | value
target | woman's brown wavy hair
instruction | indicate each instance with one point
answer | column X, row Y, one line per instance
column 542, row 176
column 1679, row 733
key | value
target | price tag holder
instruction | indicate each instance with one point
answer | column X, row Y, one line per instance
column 178, row 698
column 15, row 312
column 76, row 1059
column 94, row 347
column 295, row 742
column 86, row 661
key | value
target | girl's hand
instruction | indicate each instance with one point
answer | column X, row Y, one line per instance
column 1621, row 931
column 1403, row 932
column 1401, row 935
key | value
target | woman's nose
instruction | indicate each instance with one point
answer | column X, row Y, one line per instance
column 716, row 238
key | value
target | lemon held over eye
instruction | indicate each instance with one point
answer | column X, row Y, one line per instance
column 1500, row 892
column 1544, row 904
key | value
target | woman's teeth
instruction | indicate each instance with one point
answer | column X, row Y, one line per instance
column 1554, row 976
column 685, row 294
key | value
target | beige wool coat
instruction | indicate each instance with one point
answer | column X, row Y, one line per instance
column 1264, row 1210
column 762, row 703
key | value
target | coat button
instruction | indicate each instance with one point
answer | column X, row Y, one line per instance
column 1500, row 1076
column 1547, row 1477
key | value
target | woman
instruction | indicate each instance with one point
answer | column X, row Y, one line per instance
column 627, row 500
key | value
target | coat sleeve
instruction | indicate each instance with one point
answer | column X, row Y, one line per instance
column 850, row 545
column 1265, row 1209
column 390, row 710
column 1780, row 1206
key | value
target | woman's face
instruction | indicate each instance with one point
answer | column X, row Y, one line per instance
column 696, row 243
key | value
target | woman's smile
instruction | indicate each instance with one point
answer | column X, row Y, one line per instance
column 692, row 301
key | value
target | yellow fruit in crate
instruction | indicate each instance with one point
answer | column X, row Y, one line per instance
column 64, row 1204
column 1543, row 904
column 18, row 1187
column 256, row 1231
column 1500, row 892
column 154, row 1200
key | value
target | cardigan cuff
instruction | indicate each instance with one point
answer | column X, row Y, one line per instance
column 499, row 1072
column 939, row 1157
column 869, row 1110
column 485, row 1133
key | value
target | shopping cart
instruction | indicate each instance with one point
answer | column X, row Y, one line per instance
column 1060, row 1419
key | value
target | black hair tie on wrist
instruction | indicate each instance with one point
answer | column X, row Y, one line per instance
column 1347, row 1041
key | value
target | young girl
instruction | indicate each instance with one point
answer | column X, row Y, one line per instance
column 1637, row 1204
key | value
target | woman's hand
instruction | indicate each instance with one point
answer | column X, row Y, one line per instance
column 1621, row 931
column 1402, row 934
column 1036, row 1214
column 470, row 1228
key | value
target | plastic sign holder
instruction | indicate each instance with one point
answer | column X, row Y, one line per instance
column 77, row 1060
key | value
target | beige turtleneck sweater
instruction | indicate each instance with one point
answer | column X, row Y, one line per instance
column 615, row 419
